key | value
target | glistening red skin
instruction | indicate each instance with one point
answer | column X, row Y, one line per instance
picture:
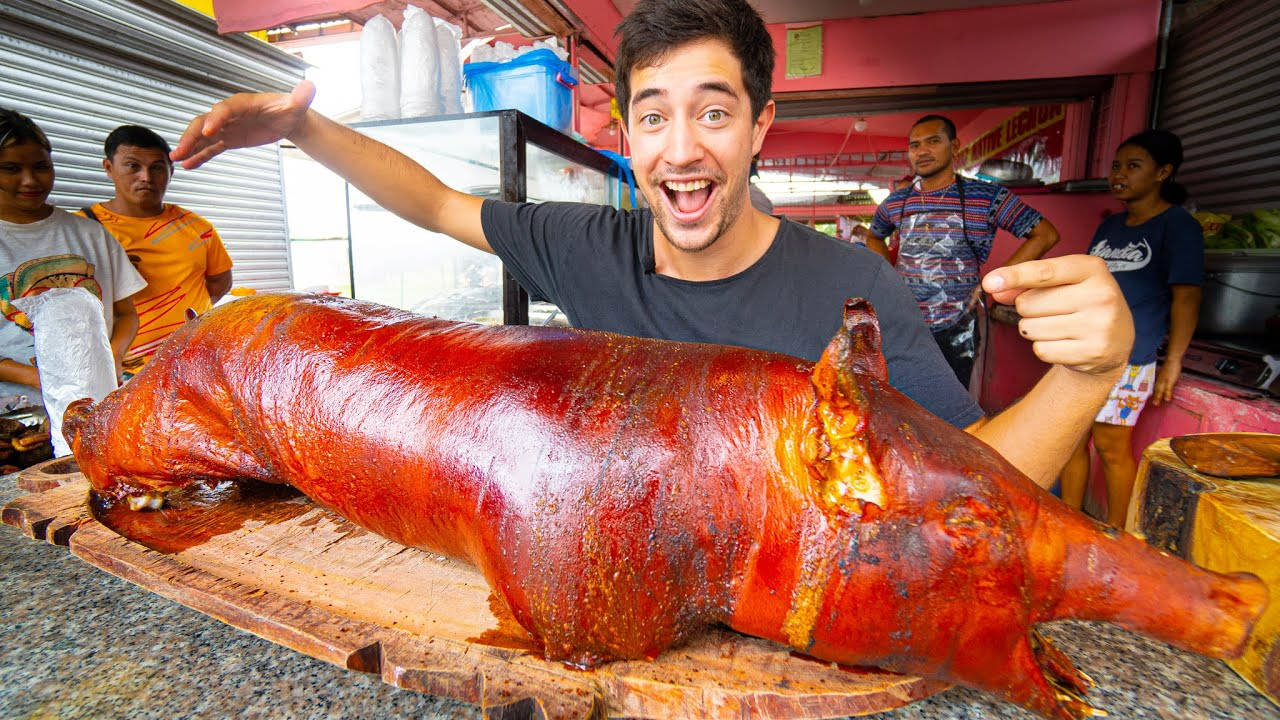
column 621, row 493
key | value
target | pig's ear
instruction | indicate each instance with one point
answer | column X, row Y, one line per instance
column 856, row 346
column 850, row 479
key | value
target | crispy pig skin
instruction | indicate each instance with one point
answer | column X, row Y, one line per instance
column 621, row 493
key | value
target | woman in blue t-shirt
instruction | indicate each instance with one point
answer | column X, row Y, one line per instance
column 1155, row 251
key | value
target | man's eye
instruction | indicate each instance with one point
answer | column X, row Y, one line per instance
column 715, row 115
column 651, row 119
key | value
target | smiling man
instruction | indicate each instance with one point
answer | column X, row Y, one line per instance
column 178, row 252
column 700, row 264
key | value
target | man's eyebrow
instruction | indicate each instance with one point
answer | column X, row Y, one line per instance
column 718, row 86
column 645, row 94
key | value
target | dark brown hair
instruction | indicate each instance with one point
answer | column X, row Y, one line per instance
column 1166, row 149
column 656, row 27
column 134, row 136
column 16, row 128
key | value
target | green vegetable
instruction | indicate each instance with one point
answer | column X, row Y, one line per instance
column 1233, row 236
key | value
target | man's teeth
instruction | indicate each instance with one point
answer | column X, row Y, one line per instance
column 687, row 186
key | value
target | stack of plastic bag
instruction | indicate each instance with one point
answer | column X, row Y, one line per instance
column 449, row 45
column 379, row 71
column 72, row 352
column 419, row 65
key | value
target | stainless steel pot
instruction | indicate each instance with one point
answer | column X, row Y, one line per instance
column 1241, row 292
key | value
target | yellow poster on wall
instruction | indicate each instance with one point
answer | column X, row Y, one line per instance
column 804, row 52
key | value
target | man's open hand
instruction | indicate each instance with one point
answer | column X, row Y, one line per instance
column 243, row 120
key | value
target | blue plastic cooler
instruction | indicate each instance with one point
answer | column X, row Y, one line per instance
column 537, row 83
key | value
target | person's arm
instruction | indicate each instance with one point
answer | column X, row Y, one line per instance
column 1183, row 314
column 21, row 373
column 388, row 177
column 1041, row 238
column 217, row 285
column 878, row 245
column 1077, row 320
column 124, row 328
column 881, row 227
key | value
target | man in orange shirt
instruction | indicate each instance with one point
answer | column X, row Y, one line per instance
column 180, row 255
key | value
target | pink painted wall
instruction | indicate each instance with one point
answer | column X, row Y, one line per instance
column 1127, row 107
column 1071, row 38
column 1058, row 39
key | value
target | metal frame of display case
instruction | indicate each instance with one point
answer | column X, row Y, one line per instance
column 515, row 131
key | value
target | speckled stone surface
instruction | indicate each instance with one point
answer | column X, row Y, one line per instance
column 80, row 643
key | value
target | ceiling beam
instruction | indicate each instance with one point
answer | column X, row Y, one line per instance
column 874, row 101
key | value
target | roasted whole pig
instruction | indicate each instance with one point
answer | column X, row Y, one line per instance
column 620, row 493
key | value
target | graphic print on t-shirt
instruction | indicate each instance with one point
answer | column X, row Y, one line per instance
column 1133, row 256
column 35, row 276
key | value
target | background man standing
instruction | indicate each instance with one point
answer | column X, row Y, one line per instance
column 946, row 226
column 180, row 255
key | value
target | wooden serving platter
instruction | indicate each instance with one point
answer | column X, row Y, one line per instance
column 270, row 562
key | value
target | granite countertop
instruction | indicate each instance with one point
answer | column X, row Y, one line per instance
column 80, row 643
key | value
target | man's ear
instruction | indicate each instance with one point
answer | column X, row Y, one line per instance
column 763, row 122
column 106, row 165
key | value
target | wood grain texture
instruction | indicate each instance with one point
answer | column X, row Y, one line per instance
column 305, row 578
column 1230, row 455
column 48, row 474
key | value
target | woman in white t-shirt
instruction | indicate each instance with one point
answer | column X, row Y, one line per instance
column 42, row 247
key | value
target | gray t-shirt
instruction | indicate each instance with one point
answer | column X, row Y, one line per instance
column 62, row 250
column 597, row 264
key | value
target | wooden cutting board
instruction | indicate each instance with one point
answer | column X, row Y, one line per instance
column 272, row 563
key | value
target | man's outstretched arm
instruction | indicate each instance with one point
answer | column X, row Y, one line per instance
column 388, row 177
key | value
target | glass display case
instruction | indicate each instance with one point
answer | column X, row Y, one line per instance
column 503, row 155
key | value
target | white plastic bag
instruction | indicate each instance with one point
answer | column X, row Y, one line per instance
column 73, row 352
column 419, row 65
column 449, row 44
column 379, row 71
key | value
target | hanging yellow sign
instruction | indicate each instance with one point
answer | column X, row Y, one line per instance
column 1021, row 126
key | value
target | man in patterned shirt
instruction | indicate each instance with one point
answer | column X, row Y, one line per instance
column 946, row 225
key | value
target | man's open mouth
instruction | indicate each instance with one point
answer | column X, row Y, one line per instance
column 689, row 199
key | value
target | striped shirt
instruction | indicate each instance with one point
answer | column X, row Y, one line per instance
column 939, row 266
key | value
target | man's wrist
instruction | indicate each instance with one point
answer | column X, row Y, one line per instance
column 305, row 128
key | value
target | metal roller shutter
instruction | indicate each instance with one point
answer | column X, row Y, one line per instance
column 80, row 68
column 1220, row 97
